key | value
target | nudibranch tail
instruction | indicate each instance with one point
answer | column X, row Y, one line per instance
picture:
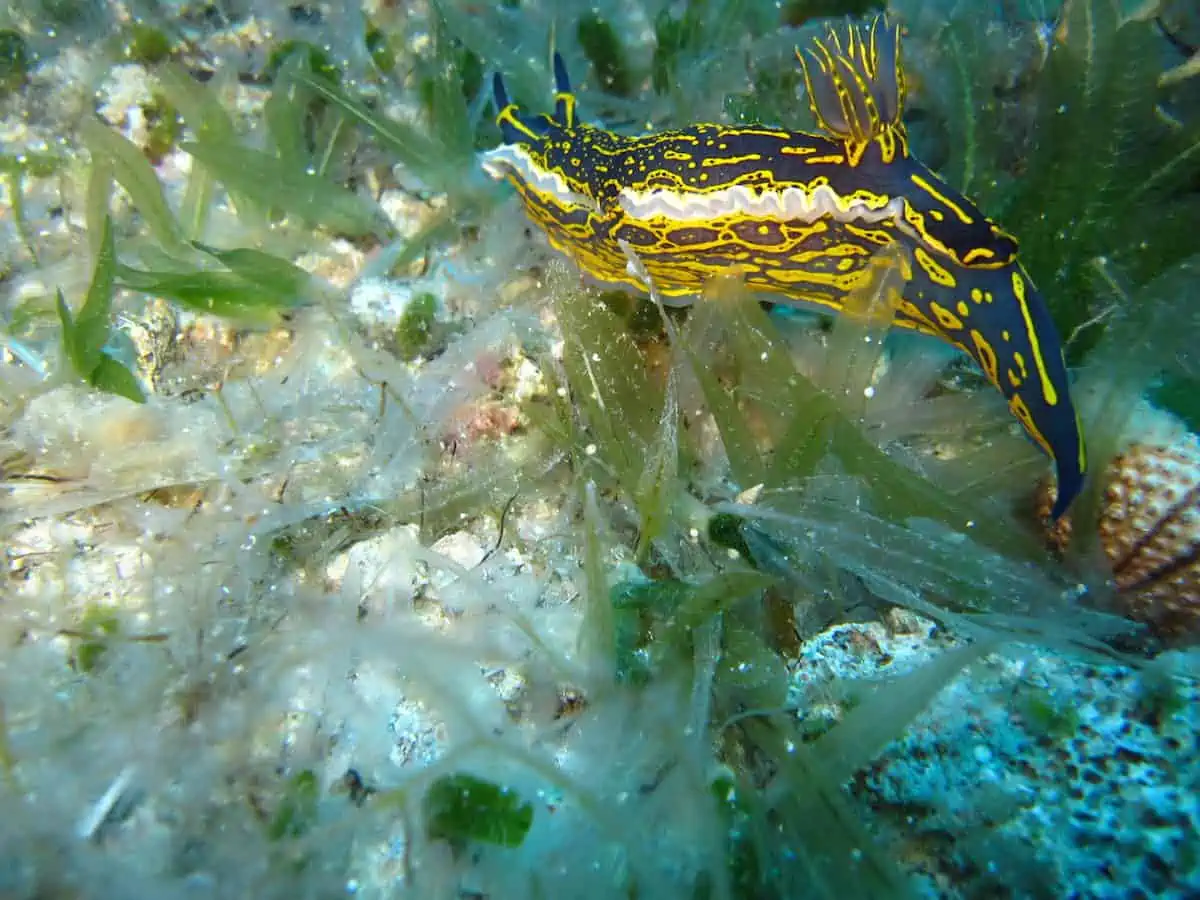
column 1069, row 472
column 1038, row 388
column 997, row 317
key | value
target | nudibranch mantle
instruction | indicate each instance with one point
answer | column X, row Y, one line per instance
column 799, row 215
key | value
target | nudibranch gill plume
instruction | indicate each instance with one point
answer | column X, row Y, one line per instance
column 799, row 215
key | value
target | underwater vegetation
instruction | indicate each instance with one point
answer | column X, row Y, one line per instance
column 357, row 544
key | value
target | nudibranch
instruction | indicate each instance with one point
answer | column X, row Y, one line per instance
column 799, row 215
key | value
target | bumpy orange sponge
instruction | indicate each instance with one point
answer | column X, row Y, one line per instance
column 1149, row 530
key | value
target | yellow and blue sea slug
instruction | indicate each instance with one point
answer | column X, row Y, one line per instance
column 799, row 215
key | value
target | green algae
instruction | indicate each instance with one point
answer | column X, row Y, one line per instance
column 98, row 627
column 604, row 51
column 15, row 60
column 296, row 814
column 656, row 622
column 127, row 165
column 626, row 426
column 146, row 44
column 461, row 808
column 1126, row 200
column 797, row 12
column 415, row 331
column 165, row 128
column 87, row 335
column 316, row 201
column 315, row 59
column 249, row 284
column 1045, row 715
column 807, row 425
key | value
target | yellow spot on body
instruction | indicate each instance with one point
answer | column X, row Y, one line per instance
column 886, row 141
column 764, row 132
column 963, row 309
column 937, row 273
column 985, row 355
column 1019, row 359
column 835, row 159
column 1018, row 407
column 943, row 199
column 874, row 235
column 1049, row 394
column 977, row 253
column 946, row 318
column 1006, row 334
column 1014, row 379
column 917, row 318
column 731, row 160
column 936, row 215
column 797, row 151
column 977, row 295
